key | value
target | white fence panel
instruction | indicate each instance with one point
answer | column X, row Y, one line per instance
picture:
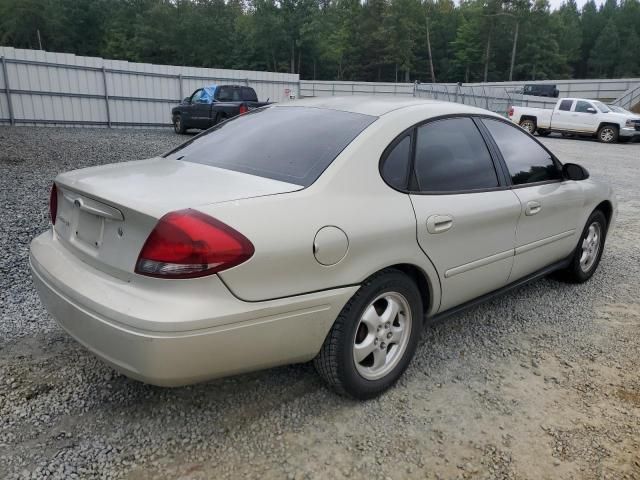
column 60, row 88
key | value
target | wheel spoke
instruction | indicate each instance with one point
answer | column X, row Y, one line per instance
column 391, row 312
column 371, row 318
column 379, row 358
column 363, row 349
column 396, row 333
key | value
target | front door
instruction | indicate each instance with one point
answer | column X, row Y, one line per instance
column 200, row 109
column 466, row 217
column 585, row 116
column 547, row 229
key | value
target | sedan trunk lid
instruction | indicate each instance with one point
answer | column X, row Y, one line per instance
column 106, row 213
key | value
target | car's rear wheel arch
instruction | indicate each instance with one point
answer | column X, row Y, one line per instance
column 420, row 278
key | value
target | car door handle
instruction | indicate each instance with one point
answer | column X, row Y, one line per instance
column 439, row 223
column 532, row 208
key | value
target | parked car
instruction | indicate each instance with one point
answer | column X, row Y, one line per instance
column 211, row 105
column 327, row 229
column 577, row 116
column 541, row 90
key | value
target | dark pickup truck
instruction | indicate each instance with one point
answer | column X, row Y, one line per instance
column 211, row 105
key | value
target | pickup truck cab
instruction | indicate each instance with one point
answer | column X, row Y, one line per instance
column 577, row 116
column 211, row 105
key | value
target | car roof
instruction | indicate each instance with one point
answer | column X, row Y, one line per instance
column 381, row 105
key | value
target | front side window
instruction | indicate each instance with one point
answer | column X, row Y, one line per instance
column 526, row 160
column 452, row 156
column 583, row 107
column 197, row 95
column 565, row 105
column 290, row 144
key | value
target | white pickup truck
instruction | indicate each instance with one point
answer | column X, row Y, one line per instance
column 577, row 116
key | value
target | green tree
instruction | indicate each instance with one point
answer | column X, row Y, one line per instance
column 604, row 55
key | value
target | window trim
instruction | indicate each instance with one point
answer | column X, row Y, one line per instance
column 412, row 187
column 505, row 167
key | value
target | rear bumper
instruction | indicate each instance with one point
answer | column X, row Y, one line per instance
column 172, row 333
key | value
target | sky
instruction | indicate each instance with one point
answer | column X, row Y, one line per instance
column 556, row 3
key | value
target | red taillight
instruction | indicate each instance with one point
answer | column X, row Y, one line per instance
column 243, row 109
column 189, row 244
column 53, row 204
column 510, row 111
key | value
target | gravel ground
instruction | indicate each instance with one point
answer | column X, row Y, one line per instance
column 541, row 383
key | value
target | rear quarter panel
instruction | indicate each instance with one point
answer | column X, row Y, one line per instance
column 380, row 224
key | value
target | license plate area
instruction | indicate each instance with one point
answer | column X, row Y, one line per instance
column 89, row 229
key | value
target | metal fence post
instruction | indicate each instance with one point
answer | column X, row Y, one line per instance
column 457, row 90
column 106, row 95
column 181, row 93
column 333, row 89
column 7, row 89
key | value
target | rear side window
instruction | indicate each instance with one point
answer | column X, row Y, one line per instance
column 395, row 166
column 290, row 144
column 452, row 156
column 565, row 105
column 526, row 160
column 249, row 94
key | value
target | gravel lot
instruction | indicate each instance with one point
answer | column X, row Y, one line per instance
column 541, row 383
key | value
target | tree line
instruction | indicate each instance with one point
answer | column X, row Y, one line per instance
column 366, row 40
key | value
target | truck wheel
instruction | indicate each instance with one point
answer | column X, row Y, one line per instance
column 178, row 126
column 608, row 134
column 528, row 125
column 543, row 132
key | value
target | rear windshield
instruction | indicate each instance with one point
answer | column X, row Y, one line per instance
column 290, row 144
column 249, row 94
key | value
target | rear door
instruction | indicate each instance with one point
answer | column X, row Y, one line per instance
column 562, row 115
column 550, row 206
column 466, row 215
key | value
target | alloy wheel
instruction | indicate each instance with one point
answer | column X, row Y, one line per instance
column 382, row 335
column 590, row 246
column 607, row 134
column 529, row 126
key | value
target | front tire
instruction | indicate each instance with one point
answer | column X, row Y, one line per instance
column 608, row 134
column 588, row 252
column 528, row 125
column 178, row 125
column 374, row 338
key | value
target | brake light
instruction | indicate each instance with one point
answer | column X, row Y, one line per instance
column 243, row 109
column 189, row 244
column 53, row 204
column 510, row 111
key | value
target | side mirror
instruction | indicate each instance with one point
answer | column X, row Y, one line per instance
column 591, row 110
column 573, row 171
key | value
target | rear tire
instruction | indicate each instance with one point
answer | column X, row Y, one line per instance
column 528, row 125
column 608, row 134
column 178, row 126
column 588, row 252
column 374, row 338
